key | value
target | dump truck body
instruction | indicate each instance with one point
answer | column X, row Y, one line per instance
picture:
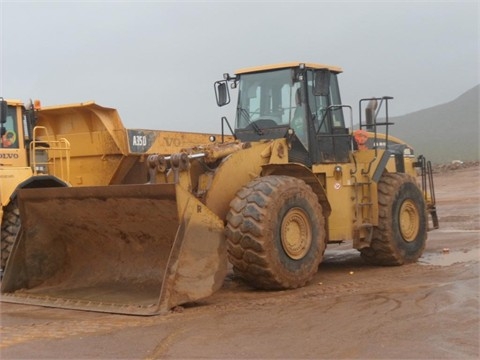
column 73, row 145
column 270, row 202
column 103, row 151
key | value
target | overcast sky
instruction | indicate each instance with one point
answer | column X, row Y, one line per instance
column 156, row 61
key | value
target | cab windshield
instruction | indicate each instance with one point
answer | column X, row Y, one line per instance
column 274, row 98
column 266, row 99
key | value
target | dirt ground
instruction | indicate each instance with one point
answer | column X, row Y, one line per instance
column 427, row 310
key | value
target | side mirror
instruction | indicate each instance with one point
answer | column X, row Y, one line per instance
column 322, row 83
column 3, row 111
column 221, row 92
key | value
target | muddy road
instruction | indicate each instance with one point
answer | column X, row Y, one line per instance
column 350, row 310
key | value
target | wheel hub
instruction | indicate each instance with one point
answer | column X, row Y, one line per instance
column 296, row 233
column 409, row 221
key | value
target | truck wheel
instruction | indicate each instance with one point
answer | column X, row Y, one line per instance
column 275, row 233
column 10, row 227
column 401, row 233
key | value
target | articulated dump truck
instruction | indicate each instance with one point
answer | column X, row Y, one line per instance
column 72, row 145
column 296, row 178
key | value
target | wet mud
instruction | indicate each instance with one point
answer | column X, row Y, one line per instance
column 426, row 310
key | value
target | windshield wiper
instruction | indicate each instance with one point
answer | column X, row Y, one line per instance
column 244, row 114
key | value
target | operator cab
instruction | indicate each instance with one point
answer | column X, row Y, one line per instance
column 294, row 100
column 8, row 124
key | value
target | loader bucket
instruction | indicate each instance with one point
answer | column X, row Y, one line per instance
column 129, row 249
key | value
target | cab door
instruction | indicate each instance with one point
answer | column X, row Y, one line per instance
column 12, row 145
column 332, row 140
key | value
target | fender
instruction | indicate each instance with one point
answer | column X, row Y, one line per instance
column 302, row 172
column 39, row 181
column 397, row 153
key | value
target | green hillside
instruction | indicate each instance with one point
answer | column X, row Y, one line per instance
column 444, row 132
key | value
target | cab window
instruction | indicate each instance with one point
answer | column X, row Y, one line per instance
column 8, row 129
column 337, row 114
column 324, row 120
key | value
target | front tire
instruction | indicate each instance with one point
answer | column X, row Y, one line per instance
column 10, row 227
column 276, row 233
column 401, row 233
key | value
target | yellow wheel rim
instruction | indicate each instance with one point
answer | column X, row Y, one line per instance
column 296, row 233
column 409, row 220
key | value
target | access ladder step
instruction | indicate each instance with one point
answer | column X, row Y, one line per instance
column 365, row 204
column 366, row 225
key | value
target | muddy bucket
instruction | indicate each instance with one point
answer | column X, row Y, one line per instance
column 131, row 249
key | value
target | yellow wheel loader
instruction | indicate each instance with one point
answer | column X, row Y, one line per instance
column 71, row 145
column 296, row 178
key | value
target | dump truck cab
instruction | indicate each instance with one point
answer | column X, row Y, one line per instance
column 12, row 113
column 23, row 154
column 16, row 126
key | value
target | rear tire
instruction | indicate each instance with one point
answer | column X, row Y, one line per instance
column 276, row 233
column 401, row 233
column 10, row 227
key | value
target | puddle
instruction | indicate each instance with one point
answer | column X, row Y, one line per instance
column 446, row 258
column 452, row 230
column 439, row 258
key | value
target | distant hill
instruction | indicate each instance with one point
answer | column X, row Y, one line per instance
column 444, row 132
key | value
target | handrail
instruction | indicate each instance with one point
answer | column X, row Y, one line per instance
column 49, row 156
